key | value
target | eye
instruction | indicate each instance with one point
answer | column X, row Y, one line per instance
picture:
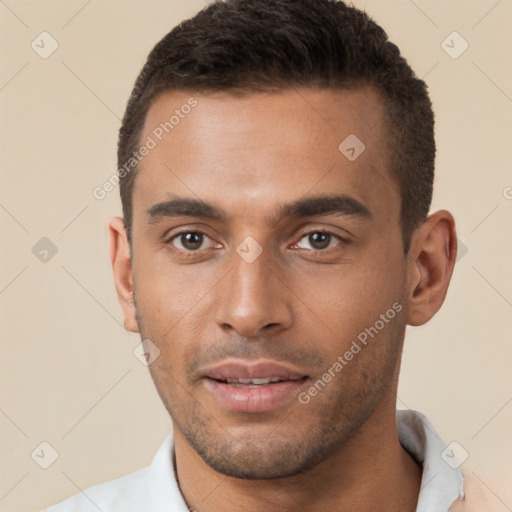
column 190, row 240
column 318, row 240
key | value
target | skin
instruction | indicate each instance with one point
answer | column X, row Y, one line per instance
column 248, row 156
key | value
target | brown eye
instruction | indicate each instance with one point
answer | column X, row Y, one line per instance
column 189, row 241
column 318, row 240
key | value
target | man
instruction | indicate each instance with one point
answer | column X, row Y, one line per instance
column 276, row 162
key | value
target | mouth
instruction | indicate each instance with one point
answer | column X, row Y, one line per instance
column 253, row 386
column 255, row 383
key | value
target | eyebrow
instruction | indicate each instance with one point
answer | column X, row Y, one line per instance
column 342, row 205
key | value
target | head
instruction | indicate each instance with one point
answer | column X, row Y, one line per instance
column 280, row 218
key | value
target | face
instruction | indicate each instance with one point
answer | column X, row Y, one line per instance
column 268, row 269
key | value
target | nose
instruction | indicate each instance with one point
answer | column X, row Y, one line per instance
column 252, row 300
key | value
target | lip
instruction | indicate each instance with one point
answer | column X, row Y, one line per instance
column 252, row 370
column 243, row 397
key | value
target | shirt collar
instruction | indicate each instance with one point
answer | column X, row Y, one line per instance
column 163, row 481
column 441, row 483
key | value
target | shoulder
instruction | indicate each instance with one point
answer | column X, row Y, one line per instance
column 122, row 494
column 151, row 489
column 482, row 496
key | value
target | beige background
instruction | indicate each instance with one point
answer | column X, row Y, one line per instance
column 68, row 373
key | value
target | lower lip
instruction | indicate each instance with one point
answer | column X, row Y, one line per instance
column 254, row 399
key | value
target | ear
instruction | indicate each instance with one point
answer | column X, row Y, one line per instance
column 431, row 260
column 122, row 269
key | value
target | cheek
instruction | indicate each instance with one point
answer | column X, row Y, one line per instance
column 167, row 293
column 350, row 298
column 173, row 311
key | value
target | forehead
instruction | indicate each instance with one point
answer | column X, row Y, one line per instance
column 265, row 148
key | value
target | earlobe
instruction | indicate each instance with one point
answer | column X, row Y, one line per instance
column 122, row 270
column 431, row 261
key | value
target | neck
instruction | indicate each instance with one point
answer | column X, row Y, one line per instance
column 370, row 472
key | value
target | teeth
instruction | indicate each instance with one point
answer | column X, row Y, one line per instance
column 258, row 382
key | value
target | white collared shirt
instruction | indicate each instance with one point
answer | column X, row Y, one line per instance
column 155, row 488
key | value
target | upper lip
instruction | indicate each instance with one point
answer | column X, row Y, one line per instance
column 253, row 370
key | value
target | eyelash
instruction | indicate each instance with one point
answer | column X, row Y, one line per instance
column 341, row 240
column 186, row 232
column 189, row 253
